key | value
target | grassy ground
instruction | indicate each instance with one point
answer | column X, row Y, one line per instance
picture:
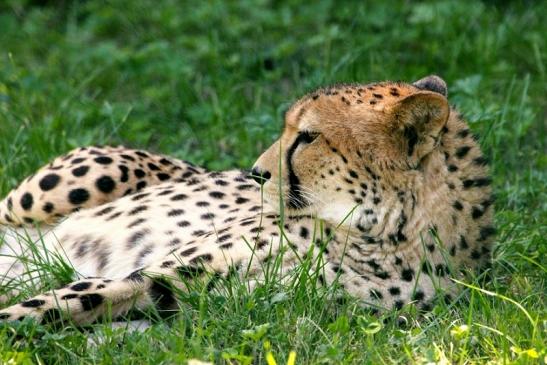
column 209, row 82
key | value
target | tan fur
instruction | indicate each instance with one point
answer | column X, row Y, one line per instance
column 384, row 179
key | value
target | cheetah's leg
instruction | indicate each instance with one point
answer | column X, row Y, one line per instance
column 85, row 300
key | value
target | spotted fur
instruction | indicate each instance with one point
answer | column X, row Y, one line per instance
column 385, row 180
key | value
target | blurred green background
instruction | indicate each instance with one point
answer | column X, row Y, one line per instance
column 209, row 81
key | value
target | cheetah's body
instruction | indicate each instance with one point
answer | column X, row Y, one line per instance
column 384, row 180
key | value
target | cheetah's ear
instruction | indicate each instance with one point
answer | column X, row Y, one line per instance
column 432, row 83
column 419, row 119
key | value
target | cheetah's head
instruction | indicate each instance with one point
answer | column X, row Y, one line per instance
column 340, row 142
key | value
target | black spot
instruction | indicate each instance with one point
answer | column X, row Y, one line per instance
column 141, row 154
column 216, row 194
column 394, row 290
column 256, row 229
column 486, row 232
column 48, row 207
column 463, row 243
column 26, row 201
column 478, row 182
column 105, row 184
column 80, row 171
column 407, row 274
column 241, row 200
column 165, row 161
column 136, row 210
column 382, row 275
column 178, row 197
column 136, row 276
column 375, row 294
column 167, row 264
column 49, row 182
column 188, row 272
column 224, row 237
column 104, row 211
column 463, row 133
column 189, row 251
column 175, row 212
column 475, row 255
column 127, row 157
column 103, row 160
column 139, row 173
column 137, row 237
column 418, row 295
column 207, row 216
column 141, row 185
column 462, row 151
column 139, row 196
column 220, row 182
column 77, row 160
column 476, row 212
column 452, row 168
column 245, row 187
column 426, row 268
column 163, row 176
column 10, row 204
column 183, row 224
column 480, row 161
column 69, row 296
column 153, row 167
column 165, row 192
column 125, row 173
column 353, row 174
column 399, row 304
column 440, row 270
column 91, row 301
column 33, row 303
column 78, row 196
column 206, row 257
column 81, row 286
column 457, row 205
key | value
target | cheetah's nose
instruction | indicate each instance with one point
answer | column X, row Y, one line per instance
column 260, row 176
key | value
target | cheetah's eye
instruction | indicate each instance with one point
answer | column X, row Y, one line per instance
column 307, row 136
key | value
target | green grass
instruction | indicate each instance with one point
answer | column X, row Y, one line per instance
column 209, row 82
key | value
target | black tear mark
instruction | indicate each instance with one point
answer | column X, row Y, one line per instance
column 296, row 200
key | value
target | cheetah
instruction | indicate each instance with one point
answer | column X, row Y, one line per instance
column 382, row 183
